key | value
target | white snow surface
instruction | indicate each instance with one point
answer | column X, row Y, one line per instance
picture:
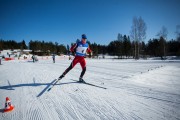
column 136, row 90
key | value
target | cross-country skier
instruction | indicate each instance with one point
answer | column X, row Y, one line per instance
column 80, row 49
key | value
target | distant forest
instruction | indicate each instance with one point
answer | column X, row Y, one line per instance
column 123, row 47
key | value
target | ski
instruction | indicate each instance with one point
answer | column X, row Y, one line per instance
column 55, row 82
column 86, row 83
column 93, row 85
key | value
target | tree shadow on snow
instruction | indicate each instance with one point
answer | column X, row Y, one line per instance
column 12, row 87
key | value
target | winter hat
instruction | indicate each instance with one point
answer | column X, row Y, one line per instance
column 84, row 36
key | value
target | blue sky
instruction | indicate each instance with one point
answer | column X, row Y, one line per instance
column 64, row 21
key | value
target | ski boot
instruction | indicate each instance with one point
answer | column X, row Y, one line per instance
column 81, row 80
column 61, row 77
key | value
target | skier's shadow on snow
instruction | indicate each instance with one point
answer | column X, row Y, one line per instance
column 46, row 88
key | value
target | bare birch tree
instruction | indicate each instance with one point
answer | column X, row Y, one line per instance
column 138, row 34
column 163, row 33
column 178, row 32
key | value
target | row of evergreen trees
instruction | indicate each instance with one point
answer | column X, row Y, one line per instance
column 37, row 47
column 46, row 48
column 12, row 44
column 123, row 47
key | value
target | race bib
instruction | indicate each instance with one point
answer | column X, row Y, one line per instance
column 81, row 49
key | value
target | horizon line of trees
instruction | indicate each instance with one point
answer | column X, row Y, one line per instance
column 37, row 47
column 123, row 47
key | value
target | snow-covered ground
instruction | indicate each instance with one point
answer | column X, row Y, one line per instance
column 143, row 89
